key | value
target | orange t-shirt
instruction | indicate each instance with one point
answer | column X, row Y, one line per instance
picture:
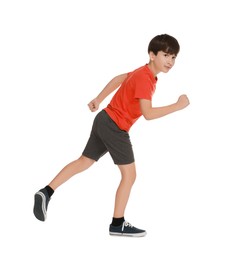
column 124, row 108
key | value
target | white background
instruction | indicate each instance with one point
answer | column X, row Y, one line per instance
column 55, row 56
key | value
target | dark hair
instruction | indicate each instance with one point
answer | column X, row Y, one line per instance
column 165, row 43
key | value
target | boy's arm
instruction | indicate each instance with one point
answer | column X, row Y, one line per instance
column 108, row 89
column 150, row 112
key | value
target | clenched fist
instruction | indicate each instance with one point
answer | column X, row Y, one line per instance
column 182, row 102
column 93, row 105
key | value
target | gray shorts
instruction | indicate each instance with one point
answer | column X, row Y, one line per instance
column 105, row 137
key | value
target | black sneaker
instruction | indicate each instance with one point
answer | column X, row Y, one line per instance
column 41, row 200
column 126, row 229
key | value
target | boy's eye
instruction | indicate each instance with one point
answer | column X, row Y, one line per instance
column 167, row 55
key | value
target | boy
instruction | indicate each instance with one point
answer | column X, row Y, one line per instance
column 110, row 131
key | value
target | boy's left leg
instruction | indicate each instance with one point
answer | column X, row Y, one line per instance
column 42, row 197
column 119, row 226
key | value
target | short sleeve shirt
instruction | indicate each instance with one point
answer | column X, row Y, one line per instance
column 124, row 108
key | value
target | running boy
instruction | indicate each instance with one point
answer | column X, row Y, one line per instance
column 110, row 131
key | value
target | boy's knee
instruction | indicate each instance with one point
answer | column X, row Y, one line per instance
column 128, row 173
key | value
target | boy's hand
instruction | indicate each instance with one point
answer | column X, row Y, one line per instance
column 183, row 102
column 93, row 105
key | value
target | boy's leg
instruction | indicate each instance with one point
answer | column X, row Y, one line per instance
column 119, row 226
column 42, row 197
column 77, row 166
column 128, row 176
column 94, row 149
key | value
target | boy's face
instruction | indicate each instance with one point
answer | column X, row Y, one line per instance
column 162, row 62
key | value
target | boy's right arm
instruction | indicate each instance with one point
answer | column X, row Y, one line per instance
column 108, row 89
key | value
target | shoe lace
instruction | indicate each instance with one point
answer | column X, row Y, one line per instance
column 126, row 224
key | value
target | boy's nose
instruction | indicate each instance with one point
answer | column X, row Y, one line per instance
column 170, row 62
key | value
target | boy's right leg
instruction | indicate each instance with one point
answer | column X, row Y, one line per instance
column 119, row 226
column 42, row 197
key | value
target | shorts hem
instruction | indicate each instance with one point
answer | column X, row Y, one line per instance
column 124, row 163
column 90, row 157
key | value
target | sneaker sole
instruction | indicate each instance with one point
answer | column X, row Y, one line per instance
column 40, row 206
column 128, row 234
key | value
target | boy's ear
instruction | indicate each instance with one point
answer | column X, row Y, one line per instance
column 151, row 56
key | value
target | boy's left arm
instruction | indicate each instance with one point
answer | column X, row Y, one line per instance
column 150, row 112
column 108, row 89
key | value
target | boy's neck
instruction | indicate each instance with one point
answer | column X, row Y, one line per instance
column 152, row 68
